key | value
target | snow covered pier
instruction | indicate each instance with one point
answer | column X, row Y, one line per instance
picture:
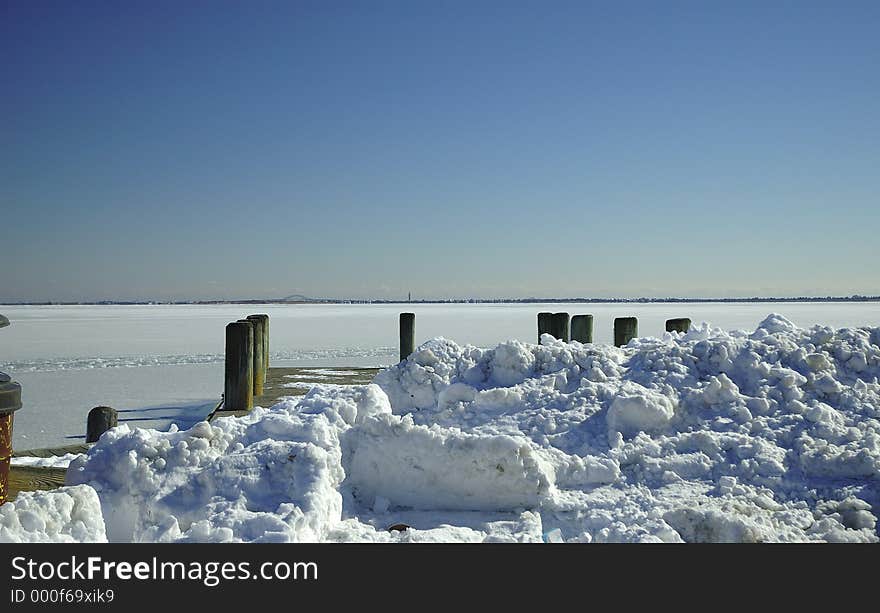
column 250, row 382
column 281, row 382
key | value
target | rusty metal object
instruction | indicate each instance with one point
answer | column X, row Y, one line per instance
column 10, row 401
column 5, row 454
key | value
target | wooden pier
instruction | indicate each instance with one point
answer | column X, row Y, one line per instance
column 297, row 381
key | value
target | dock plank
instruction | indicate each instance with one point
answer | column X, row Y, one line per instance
column 281, row 382
column 49, row 452
column 297, row 381
column 33, row 478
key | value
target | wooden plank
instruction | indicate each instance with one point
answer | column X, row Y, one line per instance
column 281, row 382
column 50, row 452
column 296, row 381
column 33, row 478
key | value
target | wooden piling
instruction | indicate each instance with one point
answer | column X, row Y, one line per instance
column 264, row 324
column 100, row 420
column 407, row 335
column 545, row 324
column 680, row 324
column 266, row 343
column 560, row 326
column 582, row 328
column 625, row 329
column 259, row 359
column 239, row 372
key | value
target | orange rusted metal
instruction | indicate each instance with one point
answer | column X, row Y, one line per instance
column 5, row 454
column 10, row 401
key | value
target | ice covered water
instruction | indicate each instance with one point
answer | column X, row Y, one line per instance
column 54, row 337
column 71, row 358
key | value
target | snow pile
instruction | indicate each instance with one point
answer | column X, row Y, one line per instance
column 703, row 436
column 433, row 468
column 270, row 476
column 773, row 435
column 65, row 515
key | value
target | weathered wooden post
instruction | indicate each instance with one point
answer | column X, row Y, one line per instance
column 407, row 335
column 264, row 332
column 100, row 420
column 582, row 328
column 239, row 384
column 625, row 329
column 680, row 324
column 560, row 326
column 266, row 343
column 259, row 359
column 545, row 324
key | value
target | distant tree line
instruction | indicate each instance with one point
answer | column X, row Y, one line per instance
column 530, row 300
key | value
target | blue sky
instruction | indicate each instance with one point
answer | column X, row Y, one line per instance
column 175, row 150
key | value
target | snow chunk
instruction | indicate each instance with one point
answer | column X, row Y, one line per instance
column 64, row 515
column 270, row 476
column 637, row 409
column 436, row 468
column 775, row 323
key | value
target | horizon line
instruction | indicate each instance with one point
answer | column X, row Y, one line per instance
column 527, row 300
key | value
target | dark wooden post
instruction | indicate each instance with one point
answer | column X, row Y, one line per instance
column 266, row 343
column 582, row 328
column 545, row 324
column 259, row 357
column 407, row 335
column 560, row 326
column 625, row 329
column 680, row 324
column 264, row 331
column 239, row 384
column 100, row 420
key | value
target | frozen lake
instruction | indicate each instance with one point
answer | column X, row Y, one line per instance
column 160, row 364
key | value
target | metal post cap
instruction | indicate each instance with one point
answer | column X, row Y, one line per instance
column 10, row 394
column 10, row 391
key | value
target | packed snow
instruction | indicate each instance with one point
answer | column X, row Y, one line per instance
column 66, row 515
column 53, row 461
column 705, row 436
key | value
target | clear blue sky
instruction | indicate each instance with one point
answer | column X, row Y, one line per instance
column 452, row 149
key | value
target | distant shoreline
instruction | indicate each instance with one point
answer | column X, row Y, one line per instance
column 667, row 300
